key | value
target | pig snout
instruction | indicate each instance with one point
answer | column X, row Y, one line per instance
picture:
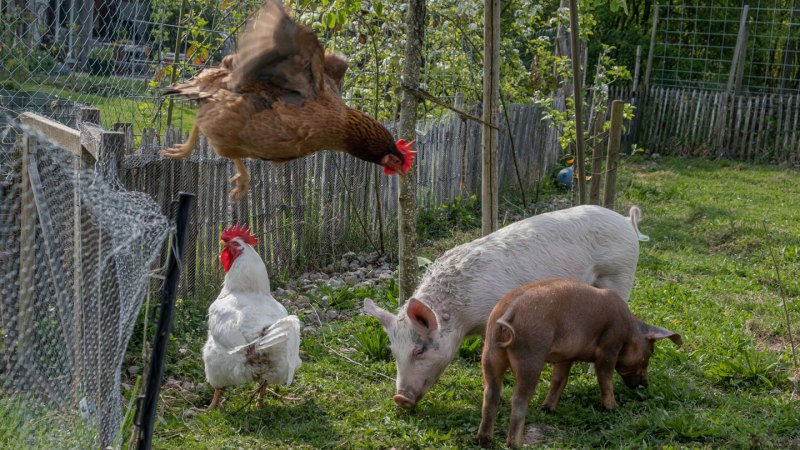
column 404, row 399
column 636, row 380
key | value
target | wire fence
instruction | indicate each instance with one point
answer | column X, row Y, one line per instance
column 118, row 56
column 76, row 256
column 695, row 46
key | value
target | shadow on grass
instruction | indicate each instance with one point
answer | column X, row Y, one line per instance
column 303, row 422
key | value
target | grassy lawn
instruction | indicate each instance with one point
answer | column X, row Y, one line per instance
column 119, row 100
column 706, row 273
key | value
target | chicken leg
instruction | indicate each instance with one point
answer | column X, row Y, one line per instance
column 262, row 389
column 217, row 400
column 241, row 180
column 181, row 151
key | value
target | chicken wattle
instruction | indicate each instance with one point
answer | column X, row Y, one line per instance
column 251, row 337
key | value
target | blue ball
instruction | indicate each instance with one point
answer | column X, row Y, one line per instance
column 564, row 177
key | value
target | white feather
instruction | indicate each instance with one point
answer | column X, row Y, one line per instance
column 251, row 337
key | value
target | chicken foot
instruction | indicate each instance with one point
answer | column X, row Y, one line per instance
column 241, row 181
column 262, row 389
column 217, row 400
column 180, row 151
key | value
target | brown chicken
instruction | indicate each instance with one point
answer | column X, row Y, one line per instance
column 277, row 99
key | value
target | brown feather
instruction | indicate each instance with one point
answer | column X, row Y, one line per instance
column 276, row 49
column 278, row 98
column 335, row 68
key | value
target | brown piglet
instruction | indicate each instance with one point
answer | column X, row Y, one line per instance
column 560, row 321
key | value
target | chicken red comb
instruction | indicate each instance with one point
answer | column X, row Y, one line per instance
column 408, row 154
column 240, row 231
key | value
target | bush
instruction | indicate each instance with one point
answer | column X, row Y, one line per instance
column 17, row 68
column 463, row 214
column 43, row 62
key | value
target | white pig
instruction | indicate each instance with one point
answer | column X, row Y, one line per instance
column 588, row 243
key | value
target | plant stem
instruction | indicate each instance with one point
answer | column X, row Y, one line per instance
column 783, row 296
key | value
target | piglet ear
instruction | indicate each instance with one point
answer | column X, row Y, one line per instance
column 386, row 318
column 422, row 317
column 656, row 333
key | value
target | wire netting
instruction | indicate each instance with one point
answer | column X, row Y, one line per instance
column 76, row 255
column 118, row 56
column 695, row 46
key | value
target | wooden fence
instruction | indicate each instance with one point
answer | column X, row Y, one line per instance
column 691, row 122
column 307, row 212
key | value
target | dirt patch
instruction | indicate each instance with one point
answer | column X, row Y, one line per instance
column 537, row 434
column 655, row 175
column 768, row 338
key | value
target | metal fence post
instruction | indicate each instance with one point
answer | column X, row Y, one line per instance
column 148, row 402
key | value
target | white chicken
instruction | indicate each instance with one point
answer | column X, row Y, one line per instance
column 251, row 337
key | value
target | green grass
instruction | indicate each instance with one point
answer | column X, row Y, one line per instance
column 706, row 273
column 118, row 99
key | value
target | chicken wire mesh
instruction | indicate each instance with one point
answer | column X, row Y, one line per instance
column 695, row 46
column 76, row 255
column 118, row 56
column 307, row 212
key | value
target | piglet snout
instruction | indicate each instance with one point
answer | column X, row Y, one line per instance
column 404, row 400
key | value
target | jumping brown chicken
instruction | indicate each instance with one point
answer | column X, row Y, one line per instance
column 278, row 98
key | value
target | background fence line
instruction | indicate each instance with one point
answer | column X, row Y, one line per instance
column 694, row 122
column 308, row 211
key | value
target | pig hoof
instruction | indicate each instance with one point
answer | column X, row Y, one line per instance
column 403, row 401
column 547, row 409
column 484, row 441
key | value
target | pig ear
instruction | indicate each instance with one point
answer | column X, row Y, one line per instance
column 386, row 318
column 422, row 317
column 656, row 333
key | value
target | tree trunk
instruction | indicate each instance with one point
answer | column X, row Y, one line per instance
column 580, row 170
column 491, row 94
column 407, row 210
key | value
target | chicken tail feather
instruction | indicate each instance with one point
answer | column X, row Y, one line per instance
column 277, row 333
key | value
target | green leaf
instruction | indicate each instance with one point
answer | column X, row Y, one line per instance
column 329, row 19
column 423, row 262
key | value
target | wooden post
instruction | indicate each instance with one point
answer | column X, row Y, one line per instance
column 788, row 53
column 614, row 138
column 85, row 27
column 597, row 160
column 737, row 62
column 580, row 166
column 407, row 200
column 638, row 63
column 27, row 247
column 651, row 51
column 491, row 95
column 127, row 129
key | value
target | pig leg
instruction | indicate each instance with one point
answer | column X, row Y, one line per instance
column 494, row 367
column 526, row 373
column 604, row 366
column 557, row 383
